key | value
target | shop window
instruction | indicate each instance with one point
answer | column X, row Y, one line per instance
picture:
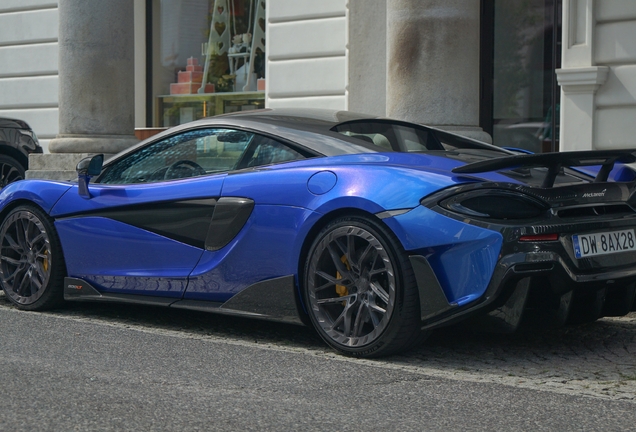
column 521, row 48
column 208, row 58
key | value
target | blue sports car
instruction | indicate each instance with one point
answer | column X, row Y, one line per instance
column 374, row 231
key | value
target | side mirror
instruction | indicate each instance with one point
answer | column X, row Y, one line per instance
column 87, row 168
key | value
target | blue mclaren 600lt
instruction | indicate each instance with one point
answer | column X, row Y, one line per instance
column 373, row 231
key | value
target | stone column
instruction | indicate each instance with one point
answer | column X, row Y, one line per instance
column 580, row 78
column 578, row 93
column 367, row 56
column 433, row 64
column 96, row 85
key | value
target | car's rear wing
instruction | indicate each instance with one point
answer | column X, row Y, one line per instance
column 554, row 162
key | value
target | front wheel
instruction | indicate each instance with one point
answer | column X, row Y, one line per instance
column 360, row 289
column 31, row 263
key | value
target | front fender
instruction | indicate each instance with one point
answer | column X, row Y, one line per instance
column 43, row 193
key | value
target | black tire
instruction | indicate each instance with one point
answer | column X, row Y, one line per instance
column 32, row 266
column 360, row 290
column 10, row 170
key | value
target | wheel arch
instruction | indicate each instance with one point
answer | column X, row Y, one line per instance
column 42, row 193
column 17, row 203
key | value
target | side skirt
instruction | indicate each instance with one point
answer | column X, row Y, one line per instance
column 272, row 300
column 80, row 290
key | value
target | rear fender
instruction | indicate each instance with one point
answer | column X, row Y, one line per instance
column 372, row 188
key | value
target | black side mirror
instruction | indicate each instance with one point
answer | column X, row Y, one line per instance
column 87, row 168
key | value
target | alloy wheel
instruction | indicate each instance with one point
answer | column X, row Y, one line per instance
column 25, row 252
column 351, row 286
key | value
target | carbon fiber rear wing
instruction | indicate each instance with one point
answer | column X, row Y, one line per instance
column 554, row 162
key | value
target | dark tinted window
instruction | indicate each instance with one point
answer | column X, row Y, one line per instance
column 266, row 151
column 408, row 137
column 196, row 153
column 188, row 154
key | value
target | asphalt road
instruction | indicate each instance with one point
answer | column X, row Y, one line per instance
column 111, row 367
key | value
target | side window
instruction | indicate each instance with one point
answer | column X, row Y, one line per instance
column 373, row 138
column 266, row 151
column 391, row 136
column 188, row 154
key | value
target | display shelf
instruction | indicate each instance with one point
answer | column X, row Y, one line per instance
column 173, row 110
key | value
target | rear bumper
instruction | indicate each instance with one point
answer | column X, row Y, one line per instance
column 548, row 262
column 466, row 266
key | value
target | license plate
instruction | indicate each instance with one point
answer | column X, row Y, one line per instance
column 603, row 243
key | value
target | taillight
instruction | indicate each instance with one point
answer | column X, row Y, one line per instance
column 539, row 237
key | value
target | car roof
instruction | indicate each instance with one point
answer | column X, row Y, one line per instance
column 311, row 128
column 314, row 118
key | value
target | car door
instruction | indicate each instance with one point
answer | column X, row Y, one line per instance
column 143, row 229
column 257, row 248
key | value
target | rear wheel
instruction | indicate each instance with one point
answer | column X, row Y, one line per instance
column 10, row 170
column 360, row 289
column 31, row 262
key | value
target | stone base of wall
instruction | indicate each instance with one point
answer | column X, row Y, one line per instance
column 60, row 166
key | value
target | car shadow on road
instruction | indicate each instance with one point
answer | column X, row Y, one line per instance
column 192, row 323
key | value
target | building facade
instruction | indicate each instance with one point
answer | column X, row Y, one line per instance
column 598, row 76
column 29, row 64
column 543, row 75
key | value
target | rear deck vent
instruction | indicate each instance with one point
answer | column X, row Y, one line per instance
column 615, row 210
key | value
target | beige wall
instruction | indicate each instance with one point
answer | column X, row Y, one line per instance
column 306, row 53
column 615, row 47
column 598, row 75
column 29, row 64
column 140, row 63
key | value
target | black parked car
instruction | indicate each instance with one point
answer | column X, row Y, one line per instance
column 17, row 142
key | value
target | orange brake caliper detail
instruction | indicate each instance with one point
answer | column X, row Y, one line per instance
column 45, row 261
column 342, row 290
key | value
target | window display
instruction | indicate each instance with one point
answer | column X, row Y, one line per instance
column 209, row 59
column 522, row 42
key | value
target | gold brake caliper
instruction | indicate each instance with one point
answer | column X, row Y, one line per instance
column 45, row 261
column 342, row 290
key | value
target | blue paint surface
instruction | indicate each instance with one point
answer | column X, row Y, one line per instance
column 291, row 200
column 321, row 182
